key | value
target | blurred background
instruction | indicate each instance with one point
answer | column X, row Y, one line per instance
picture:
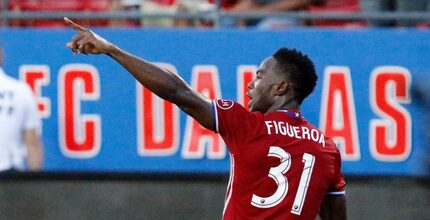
column 113, row 150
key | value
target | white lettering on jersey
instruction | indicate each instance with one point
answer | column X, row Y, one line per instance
column 283, row 128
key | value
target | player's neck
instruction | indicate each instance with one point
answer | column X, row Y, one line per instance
column 289, row 104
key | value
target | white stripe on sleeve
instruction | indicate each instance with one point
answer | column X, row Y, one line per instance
column 336, row 193
column 215, row 115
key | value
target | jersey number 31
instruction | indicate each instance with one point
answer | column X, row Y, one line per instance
column 277, row 174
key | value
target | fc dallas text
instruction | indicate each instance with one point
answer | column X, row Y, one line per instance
column 158, row 130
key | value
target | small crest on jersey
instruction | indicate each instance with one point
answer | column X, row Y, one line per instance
column 224, row 104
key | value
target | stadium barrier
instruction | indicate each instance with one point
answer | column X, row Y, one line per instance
column 216, row 15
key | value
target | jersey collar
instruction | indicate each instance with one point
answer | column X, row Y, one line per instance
column 293, row 113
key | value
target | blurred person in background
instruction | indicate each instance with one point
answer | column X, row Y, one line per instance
column 20, row 125
column 48, row 6
column 193, row 6
column 146, row 7
column 127, row 6
column 158, row 6
column 169, row 7
column 411, row 6
column 282, row 167
column 336, row 6
column 377, row 6
column 394, row 6
column 257, row 6
column 202, row 7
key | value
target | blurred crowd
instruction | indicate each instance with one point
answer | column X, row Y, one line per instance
column 207, row 6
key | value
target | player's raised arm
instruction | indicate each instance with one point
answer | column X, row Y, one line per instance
column 165, row 84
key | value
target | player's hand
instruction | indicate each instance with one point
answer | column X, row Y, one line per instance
column 86, row 41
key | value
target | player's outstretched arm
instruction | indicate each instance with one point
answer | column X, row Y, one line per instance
column 333, row 208
column 165, row 84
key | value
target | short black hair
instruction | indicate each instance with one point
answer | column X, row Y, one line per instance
column 299, row 69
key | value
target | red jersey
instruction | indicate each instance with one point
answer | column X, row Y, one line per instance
column 281, row 165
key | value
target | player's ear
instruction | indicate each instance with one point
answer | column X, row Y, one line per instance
column 282, row 88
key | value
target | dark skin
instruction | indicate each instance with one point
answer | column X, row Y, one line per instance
column 269, row 91
column 333, row 208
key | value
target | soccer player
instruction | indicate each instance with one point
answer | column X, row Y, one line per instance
column 21, row 146
column 282, row 167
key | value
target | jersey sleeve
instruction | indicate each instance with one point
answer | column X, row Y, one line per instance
column 337, row 186
column 234, row 123
column 32, row 117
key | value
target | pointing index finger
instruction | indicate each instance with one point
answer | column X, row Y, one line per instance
column 73, row 25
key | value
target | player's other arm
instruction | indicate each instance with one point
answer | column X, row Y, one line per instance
column 34, row 149
column 163, row 83
column 333, row 208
